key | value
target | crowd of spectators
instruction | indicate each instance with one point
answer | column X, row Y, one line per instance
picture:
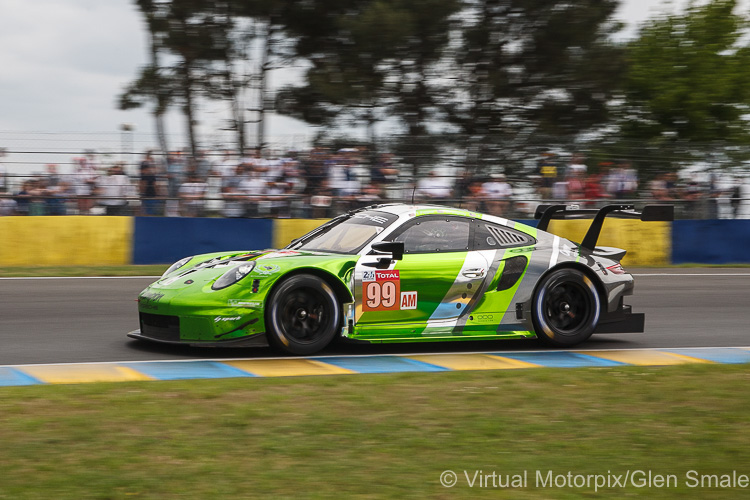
column 320, row 183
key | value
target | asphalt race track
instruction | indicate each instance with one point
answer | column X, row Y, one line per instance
column 74, row 320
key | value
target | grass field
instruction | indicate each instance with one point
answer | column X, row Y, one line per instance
column 377, row 436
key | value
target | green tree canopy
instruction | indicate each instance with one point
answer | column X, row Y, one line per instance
column 689, row 77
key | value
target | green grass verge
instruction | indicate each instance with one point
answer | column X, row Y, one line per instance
column 153, row 270
column 376, row 436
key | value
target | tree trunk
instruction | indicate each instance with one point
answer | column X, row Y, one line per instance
column 159, row 105
column 188, row 109
column 238, row 117
column 262, row 87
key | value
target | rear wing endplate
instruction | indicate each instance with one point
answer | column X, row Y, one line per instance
column 650, row 213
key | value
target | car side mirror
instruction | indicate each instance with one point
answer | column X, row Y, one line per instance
column 395, row 248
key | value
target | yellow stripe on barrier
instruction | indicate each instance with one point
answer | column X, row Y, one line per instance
column 77, row 374
column 66, row 241
column 472, row 361
column 287, row 367
column 647, row 243
column 645, row 358
column 285, row 230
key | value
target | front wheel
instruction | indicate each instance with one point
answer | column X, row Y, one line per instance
column 566, row 308
column 303, row 315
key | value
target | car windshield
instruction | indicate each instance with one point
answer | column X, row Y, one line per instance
column 349, row 234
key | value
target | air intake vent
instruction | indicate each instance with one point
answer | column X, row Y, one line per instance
column 506, row 238
column 512, row 272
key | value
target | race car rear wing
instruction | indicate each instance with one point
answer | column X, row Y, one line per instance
column 545, row 213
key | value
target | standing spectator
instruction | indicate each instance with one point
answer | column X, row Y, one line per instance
column 232, row 195
column 175, row 178
column 4, row 184
column 253, row 188
column 114, row 190
column 23, row 197
column 659, row 190
column 548, row 174
column 560, row 190
column 474, row 199
column 227, row 166
column 385, row 175
column 577, row 165
column 8, row 205
column 593, row 191
column 630, row 180
column 38, row 191
column 433, row 187
column 337, row 173
column 202, row 165
column 149, row 189
column 497, row 192
column 192, row 194
column 56, row 192
column 147, row 161
column 85, row 176
column 576, row 187
column 314, row 171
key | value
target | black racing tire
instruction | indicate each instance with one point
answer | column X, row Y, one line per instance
column 566, row 308
column 303, row 315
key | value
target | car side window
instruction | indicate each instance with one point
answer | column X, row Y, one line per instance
column 436, row 235
column 491, row 236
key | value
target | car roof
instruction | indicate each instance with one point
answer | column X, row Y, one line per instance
column 402, row 208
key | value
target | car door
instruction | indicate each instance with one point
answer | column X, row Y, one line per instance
column 428, row 289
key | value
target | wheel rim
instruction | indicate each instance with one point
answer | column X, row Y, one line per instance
column 302, row 315
column 567, row 308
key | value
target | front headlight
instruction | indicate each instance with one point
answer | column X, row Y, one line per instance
column 176, row 265
column 233, row 275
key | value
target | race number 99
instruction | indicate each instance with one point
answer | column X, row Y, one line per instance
column 382, row 294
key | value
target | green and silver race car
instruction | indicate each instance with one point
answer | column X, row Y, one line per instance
column 401, row 273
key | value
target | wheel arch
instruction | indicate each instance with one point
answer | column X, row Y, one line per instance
column 588, row 272
column 343, row 294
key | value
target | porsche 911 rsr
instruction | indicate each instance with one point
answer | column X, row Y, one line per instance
column 401, row 273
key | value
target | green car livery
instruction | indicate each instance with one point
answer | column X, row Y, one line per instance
column 400, row 273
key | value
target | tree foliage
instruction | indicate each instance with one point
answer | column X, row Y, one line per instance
column 689, row 77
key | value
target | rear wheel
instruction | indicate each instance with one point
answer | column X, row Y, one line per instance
column 303, row 315
column 566, row 308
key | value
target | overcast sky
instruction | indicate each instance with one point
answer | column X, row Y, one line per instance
column 65, row 61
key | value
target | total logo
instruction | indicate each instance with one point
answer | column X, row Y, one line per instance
column 369, row 276
column 386, row 275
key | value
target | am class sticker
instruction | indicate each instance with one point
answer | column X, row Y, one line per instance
column 408, row 300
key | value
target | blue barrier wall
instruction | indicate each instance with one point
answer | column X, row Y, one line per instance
column 163, row 240
column 75, row 240
column 711, row 241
